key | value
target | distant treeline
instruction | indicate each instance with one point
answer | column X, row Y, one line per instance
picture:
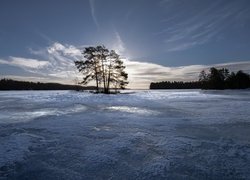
column 9, row 84
column 214, row 79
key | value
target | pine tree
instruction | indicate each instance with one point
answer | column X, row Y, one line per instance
column 103, row 66
column 90, row 68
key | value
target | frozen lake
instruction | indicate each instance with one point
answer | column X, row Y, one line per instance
column 175, row 134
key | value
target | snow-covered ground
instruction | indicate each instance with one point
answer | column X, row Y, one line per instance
column 177, row 134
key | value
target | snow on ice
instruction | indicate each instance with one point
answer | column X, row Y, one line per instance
column 175, row 134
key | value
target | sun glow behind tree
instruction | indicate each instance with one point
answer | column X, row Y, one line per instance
column 104, row 67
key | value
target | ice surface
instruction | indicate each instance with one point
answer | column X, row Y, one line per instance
column 158, row 134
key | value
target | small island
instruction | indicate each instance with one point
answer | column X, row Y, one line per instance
column 103, row 66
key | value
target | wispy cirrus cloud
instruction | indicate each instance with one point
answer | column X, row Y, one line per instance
column 93, row 12
column 118, row 45
column 186, row 30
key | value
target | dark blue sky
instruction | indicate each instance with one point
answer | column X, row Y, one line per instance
column 170, row 33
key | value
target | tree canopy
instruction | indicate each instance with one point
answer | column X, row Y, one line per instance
column 103, row 66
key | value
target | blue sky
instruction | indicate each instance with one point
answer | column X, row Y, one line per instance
column 160, row 39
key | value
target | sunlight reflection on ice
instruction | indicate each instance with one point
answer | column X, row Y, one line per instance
column 133, row 110
column 27, row 116
column 104, row 128
column 14, row 117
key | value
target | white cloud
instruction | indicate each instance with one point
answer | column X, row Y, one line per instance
column 25, row 63
column 59, row 64
column 66, row 50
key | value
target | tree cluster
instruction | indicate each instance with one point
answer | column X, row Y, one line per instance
column 104, row 67
column 8, row 84
column 223, row 79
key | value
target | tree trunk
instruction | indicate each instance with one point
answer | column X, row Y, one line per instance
column 109, row 74
column 97, row 87
column 103, row 76
column 96, row 78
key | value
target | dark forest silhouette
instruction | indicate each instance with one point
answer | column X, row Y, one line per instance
column 8, row 84
column 223, row 79
column 214, row 79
